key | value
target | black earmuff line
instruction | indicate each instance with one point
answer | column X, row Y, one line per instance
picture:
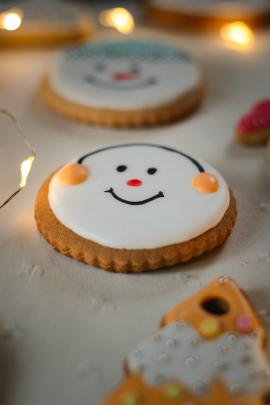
column 191, row 159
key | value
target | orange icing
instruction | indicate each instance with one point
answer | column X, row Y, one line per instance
column 73, row 174
column 205, row 183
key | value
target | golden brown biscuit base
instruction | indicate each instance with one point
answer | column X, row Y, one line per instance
column 143, row 394
column 121, row 260
column 187, row 21
column 45, row 35
column 162, row 114
column 253, row 138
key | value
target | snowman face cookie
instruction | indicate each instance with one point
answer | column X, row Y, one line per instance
column 124, row 75
column 138, row 196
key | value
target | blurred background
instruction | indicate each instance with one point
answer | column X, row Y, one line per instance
column 65, row 328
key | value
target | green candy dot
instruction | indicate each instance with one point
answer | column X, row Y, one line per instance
column 173, row 391
column 130, row 399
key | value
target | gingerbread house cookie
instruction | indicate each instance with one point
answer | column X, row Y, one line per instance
column 209, row 351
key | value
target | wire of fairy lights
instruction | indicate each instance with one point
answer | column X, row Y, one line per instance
column 26, row 164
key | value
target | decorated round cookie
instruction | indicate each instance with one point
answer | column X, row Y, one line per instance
column 135, row 207
column 42, row 22
column 123, row 83
column 209, row 13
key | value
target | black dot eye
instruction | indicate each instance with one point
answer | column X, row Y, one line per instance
column 121, row 168
column 151, row 170
column 100, row 66
column 134, row 68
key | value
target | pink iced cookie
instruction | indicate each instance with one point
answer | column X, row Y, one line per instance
column 254, row 128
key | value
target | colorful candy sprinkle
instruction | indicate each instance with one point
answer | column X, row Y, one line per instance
column 130, row 399
column 244, row 324
column 210, row 328
column 173, row 391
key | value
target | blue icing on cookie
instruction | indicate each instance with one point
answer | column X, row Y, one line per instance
column 150, row 50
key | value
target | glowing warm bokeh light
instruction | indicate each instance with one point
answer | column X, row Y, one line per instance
column 119, row 18
column 11, row 20
column 237, row 34
column 26, row 166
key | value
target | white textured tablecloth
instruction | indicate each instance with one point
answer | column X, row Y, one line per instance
column 65, row 328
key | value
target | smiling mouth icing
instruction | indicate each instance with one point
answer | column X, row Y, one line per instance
column 126, row 86
column 147, row 200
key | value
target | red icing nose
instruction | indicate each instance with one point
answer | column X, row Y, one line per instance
column 134, row 183
column 122, row 76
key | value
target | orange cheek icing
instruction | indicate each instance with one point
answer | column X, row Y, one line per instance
column 73, row 174
column 205, row 183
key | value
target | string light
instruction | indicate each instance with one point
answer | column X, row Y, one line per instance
column 11, row 20
column 119, row 18
column 237, row 34
column 26, row 164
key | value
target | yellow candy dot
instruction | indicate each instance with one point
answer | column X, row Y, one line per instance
column 130, row 399
column 210, row 328
column 205, row 183
column 73, row 174
column 173, row 391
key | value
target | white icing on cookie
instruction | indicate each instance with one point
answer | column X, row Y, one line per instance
column 126, row 75
column 132, row 209
column 215, row 8
column 177, row 352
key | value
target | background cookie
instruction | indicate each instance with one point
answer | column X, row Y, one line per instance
column 208, row 352
column 123, row 83
column 135, row 207
column 46, row 22
column 208, row 14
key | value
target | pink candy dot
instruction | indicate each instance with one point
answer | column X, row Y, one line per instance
column 244, row 324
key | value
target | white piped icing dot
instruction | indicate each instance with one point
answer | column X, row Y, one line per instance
column 232, row 338
column 195, row 340
column 171, row 343
column 223, row 280
column 224, row 349
column 164, row 358
column 190, row 361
